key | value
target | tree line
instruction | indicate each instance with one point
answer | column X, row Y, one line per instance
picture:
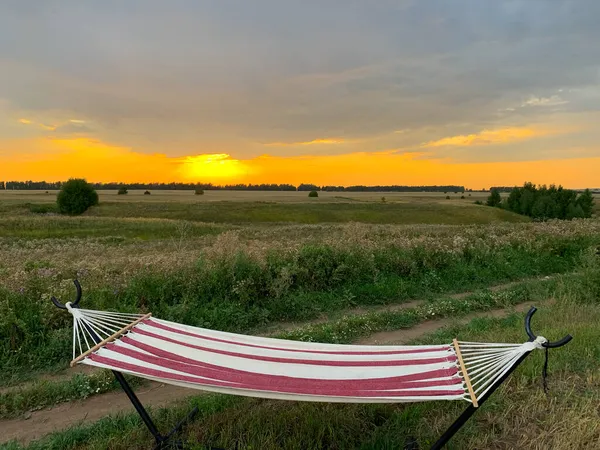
column 545, row 202
column 47, row 186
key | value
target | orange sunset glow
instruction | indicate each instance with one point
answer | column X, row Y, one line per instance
column 389, row 95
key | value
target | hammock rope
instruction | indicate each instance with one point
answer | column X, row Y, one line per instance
column 254, row 366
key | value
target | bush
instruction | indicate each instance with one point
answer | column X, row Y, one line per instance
column 543, row 203
column 313, row 194
column 199, row 191
column 494, row 199
column 122, row 191
column 147, row 193
column 462, row 197
column 382, row 199
column 76, row 197
column 447, row 197
column 478, row 202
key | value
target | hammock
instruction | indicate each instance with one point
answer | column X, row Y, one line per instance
column 216, row 361
column 229, row 363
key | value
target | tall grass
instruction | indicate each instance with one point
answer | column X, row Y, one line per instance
column 237, row 290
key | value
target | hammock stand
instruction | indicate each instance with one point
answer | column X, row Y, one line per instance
column 165, row 441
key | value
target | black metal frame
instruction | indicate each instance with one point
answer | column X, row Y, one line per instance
column 466, row 415
column 164, row 441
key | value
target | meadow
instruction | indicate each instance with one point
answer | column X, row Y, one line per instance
column 343, row 268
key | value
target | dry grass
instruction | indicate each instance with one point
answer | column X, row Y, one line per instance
column 113, row 259
column 247, row 196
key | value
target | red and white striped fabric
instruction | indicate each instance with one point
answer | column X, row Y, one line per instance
column 280, row 369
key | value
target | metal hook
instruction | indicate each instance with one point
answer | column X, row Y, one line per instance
column 73, row 304
column 533, row 337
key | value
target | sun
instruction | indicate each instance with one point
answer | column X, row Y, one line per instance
column 208, row 167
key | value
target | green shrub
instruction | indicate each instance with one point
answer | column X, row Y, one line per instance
column 313, row 194
column 147, row 193
column 494, row 199
column 199, row 191
column 462, row 197
column 122, row 191
column 76, row 197
column 447, row 197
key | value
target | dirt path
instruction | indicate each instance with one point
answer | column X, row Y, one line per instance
column 402, row 336
column 41, row 423
column 290, row 326
column 88, row 411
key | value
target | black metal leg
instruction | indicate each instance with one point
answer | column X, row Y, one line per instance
column 466, row 415
column 138, row 405
column 162, row 442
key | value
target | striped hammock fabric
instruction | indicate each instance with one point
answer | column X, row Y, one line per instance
column 253, row 366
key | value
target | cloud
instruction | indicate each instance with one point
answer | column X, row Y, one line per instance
column 487, row 137
column 189, row 78
column 323, row 141
column 553, row 100
column 58, row 159
column 25, row 121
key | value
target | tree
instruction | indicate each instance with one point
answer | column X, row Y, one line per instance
column 586, row 201
column 76, row 197
column 549, row 202
column 122, row 191
column 494, row 199
column 199, row 191
column 313, row 194
column 543, row 208
column 308, row 187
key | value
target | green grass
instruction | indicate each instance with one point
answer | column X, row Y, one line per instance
column 518, row 415
column 350, row 328
column 240, row 293
column 310, row 213
column 53, row 227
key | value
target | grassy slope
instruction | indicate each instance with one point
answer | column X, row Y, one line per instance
column 53, row 227
column 519, row 415
column 259, row 212
column 454, row 212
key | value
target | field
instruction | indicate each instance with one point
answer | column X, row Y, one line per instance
column 342, row 268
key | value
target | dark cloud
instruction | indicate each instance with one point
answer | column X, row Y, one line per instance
column 181, row 73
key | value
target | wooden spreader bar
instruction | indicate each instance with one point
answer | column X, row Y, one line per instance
column 463, row 369
column 115, row 336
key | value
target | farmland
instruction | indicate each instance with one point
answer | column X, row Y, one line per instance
column 342, row 268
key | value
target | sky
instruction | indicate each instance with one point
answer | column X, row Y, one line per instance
column 470, row 92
